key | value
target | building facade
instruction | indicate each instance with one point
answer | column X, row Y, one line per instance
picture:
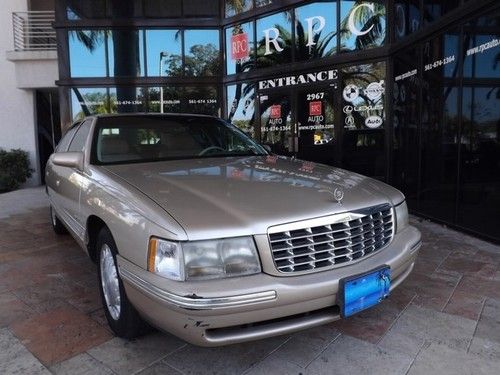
column 29, row 69
column 406, row 91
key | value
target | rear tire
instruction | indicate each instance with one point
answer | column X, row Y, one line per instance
column 57, row 225
column 122, row 317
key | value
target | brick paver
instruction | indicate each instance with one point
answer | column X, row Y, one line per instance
column 443, row 319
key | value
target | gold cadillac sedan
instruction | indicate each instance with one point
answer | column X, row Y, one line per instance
column 200, row 231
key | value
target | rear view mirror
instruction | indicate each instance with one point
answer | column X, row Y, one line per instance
column 69, row 159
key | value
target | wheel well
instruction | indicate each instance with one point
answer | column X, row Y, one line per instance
column 94, row 225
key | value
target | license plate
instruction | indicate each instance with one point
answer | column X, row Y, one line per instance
column 360, row 292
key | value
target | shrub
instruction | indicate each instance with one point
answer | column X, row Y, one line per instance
column 14, row 169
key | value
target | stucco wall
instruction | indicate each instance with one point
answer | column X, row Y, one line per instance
column 17, row 114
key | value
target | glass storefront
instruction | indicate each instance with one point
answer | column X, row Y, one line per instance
column 363, row 85
column 446, row 121
column 362, row 25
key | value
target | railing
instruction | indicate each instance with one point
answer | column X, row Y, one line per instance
column 33, row 31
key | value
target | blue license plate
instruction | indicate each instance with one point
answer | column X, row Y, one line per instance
column 360, row 292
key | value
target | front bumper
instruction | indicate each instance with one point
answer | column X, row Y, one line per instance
column 221, row 312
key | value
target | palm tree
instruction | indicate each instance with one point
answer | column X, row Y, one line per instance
column 369, row 19
column 125, row 46
column 238, row 6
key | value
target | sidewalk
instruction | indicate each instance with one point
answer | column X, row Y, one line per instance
column 444, row 319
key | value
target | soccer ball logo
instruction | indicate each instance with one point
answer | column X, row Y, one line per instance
column 351, row 93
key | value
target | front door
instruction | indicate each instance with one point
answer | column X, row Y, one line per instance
column 300, row 122
column 316, row 130
column 276, row 126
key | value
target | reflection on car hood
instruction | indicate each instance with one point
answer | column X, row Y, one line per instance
column 234, row 196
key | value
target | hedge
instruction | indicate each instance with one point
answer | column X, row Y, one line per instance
column 14, row 169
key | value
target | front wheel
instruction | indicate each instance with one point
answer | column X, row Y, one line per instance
column 122, row 317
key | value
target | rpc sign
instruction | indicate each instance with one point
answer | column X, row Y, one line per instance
column 317, row 23
column 239, row 46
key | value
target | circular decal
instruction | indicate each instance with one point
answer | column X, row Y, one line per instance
column 374, row 91
column 400, row 21
column 348, row 109
column 374, row 122
column 349, row 120
column 351, row 93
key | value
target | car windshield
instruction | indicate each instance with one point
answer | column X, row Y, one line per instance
column 136, row 139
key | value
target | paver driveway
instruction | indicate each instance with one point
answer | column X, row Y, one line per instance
column 445, row 319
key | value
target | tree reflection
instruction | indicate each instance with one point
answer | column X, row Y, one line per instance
column 201, row 61
column 125, row 47
column 373, row 20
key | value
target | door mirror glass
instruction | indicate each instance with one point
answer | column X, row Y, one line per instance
column 69, row 159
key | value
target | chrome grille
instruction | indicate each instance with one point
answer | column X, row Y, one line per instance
column 342, row 239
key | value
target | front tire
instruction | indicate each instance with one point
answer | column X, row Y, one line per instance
column 57, row 225
column 122, row 317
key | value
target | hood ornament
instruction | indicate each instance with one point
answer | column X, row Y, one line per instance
column 338, row 194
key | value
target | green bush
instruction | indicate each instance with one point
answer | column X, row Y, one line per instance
column 14, row 169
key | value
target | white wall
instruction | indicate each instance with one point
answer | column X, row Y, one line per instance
column 17, row 111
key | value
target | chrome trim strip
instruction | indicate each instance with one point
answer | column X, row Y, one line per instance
column 223, row 336
column 416, row 246
column 325, row 220
column 402, row 277
column 194, row 302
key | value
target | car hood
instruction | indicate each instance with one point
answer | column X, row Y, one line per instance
column 225, row 197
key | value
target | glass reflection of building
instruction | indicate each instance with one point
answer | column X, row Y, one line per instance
column 406, row 91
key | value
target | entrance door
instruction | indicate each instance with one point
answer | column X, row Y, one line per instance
column 276, row 126
column 315, row 124
column 48, row 125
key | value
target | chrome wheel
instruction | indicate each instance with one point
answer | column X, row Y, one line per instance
column 109, row 282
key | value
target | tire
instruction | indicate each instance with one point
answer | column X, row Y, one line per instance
column 57, row 225
column 122, row 317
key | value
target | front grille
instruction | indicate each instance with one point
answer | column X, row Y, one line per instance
column 337, row 241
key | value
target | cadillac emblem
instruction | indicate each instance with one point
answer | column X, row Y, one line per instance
column 338, row 194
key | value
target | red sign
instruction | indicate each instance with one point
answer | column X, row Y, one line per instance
column 239, row 46
column 276, row 111
column 315, row 108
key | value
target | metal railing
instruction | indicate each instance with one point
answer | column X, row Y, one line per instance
column 33, row 31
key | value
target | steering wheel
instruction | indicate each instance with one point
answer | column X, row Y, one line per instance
column 211, row 148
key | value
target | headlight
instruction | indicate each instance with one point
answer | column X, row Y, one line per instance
column 402, row 218
column 165, row 258
column 202, row 260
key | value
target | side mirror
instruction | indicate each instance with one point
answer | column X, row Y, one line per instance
column 69, row 159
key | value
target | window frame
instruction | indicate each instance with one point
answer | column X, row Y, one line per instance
column 77, row 132
column 70, row 129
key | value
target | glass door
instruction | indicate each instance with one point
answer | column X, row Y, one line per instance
column 315, row 124
column 277, row 128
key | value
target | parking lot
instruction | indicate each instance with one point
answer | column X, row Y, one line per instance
column 445, row 319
